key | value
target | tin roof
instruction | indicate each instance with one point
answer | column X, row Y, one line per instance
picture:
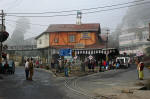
column 92, row 27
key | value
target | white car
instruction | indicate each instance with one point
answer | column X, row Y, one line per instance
column 124, row 61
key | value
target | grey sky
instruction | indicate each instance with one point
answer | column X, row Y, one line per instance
column 107, row 19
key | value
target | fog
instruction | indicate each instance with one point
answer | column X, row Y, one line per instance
column 17, row 37
column 106, row 19
column 138, row 16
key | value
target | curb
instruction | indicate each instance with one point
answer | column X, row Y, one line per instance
column 48, row 71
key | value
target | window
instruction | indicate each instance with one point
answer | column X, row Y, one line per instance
column 40, row 41
column 55, row 40
column 85, row 35
column 71, row 38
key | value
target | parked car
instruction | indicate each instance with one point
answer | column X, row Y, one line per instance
column 124, row 61
column 1, row 67
column 10, row 67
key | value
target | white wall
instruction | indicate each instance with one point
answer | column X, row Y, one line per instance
column 43, row 41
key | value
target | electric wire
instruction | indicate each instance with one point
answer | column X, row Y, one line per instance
column 94, row 8
column 26, row 23
column 87, row 12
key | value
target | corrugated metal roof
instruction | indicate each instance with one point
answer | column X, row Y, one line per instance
column 92, row 27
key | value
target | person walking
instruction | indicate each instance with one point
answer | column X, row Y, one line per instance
column 89, row 65
column 66, row 69
column 100, row 65
column 117, row 65
column 104, row 64
column 31, row 69
column 82, row 66
column 93, row 63
column 56, row 65
column 138, row 65
column 37, row 63
column 6, row 67
column 140, row 70
column 27, row 69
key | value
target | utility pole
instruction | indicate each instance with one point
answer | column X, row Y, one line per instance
column 2, row 30
column 149, row 33
column 3, row 34
column 107, row 44
column 107, row 39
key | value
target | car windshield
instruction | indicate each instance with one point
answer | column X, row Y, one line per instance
column 121, row 60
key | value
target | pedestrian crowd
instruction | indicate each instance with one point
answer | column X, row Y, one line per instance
column 65, row 65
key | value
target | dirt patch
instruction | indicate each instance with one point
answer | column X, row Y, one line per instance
column 139, row 84
column 146, row 85
column 105, row 97
column 127, row 91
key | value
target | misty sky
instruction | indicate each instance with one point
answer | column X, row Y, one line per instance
column 107, row 19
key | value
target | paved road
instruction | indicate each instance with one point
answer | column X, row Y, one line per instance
column 107, row 82
column 43, row 87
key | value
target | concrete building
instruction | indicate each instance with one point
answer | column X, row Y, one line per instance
column 133, row 41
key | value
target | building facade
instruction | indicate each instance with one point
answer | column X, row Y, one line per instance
column 73, row 36
column 83, row 39
column 42, row 40
column 134, row 40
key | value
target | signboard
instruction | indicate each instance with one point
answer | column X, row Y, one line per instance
column 69, row 58
column 90, row 57
column 85, row 35
column 65, row 52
